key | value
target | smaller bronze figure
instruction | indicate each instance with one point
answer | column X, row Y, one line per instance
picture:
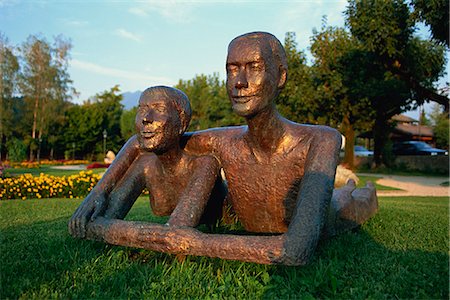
column 180, row 184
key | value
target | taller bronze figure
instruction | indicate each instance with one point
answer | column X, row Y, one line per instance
column 280, row 174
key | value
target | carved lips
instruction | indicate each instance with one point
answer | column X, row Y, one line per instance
column 148, row 134
column 242, row 99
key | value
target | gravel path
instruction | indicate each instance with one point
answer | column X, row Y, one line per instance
column 70, row 167
column 412, row 185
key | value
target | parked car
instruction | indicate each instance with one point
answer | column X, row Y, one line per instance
column 416, row 148
column 361, row 151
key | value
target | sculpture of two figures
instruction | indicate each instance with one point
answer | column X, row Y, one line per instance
column 279, row 174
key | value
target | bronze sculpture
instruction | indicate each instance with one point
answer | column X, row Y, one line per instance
column 169, row 173
column 280, row 175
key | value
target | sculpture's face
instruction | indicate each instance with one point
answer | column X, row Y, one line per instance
column 252, row 76
column 157, row 123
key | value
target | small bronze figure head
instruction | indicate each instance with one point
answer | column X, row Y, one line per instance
column 163, row 116
column 256, row 72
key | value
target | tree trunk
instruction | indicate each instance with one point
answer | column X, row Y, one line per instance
column 349, row 133
column 33, row 131
column 380, row 136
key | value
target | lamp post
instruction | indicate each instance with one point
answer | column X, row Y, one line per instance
column 73, row 150
column 105, row 134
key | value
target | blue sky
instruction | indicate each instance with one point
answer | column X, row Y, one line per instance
column 137, row 44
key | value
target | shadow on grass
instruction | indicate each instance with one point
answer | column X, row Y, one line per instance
column 41, row 260
column 355, row 266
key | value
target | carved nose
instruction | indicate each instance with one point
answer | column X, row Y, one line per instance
column 147, row 120
column 241, row 81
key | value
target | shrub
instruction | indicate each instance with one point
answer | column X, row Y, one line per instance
column 17, row 151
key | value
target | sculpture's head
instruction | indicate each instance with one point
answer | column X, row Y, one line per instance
column 256, row 72
column 163, row 116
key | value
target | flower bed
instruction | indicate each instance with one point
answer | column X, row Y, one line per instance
column 35, row 164
column 47, row 186
column 97, row 165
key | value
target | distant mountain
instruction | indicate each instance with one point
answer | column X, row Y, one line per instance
column 130, row 99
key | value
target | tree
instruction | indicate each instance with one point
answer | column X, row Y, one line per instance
column 332, row 49
column 9, row 67
column 440, row 123
column 386, row 28
column 127, row 123
column 44, row 81
column 297, row 101
column 86, row 123
column 384, row 95
column 434, row 13
column 423, row 119
column 398, row 68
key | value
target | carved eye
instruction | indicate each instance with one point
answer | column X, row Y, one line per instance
column 141, row 109
column 160, row 109
column 232, row 69
column 256, row 66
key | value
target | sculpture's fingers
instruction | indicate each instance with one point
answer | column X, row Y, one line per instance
column 81, row 222
column 97, row 210
column 73, row 223
column 82, row 227
column 70, row 227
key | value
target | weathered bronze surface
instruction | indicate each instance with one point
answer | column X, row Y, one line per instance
column 279, row 175
column 180, row 184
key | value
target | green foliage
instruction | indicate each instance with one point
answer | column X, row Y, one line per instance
column 44, row 82
column 330, row 48
column 127, row 126
column 297, row 101
column 9, row 69
column 394, row 70
column 209, row 102
column 85, row 124
column 441, row 125
column 39, row 75
column 16, row 149
column 434, row 13
column 423, row 119
column 426, row 60
column 384, row 27
column 401, row 253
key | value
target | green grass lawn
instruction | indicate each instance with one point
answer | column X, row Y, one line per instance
column 363, row 180
column 401, row 253
column 46, row 169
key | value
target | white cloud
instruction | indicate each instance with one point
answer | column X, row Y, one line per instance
column 172, row 10
column 128, row 35
column 138, row 11
column 122, row 76
column 76, row 23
